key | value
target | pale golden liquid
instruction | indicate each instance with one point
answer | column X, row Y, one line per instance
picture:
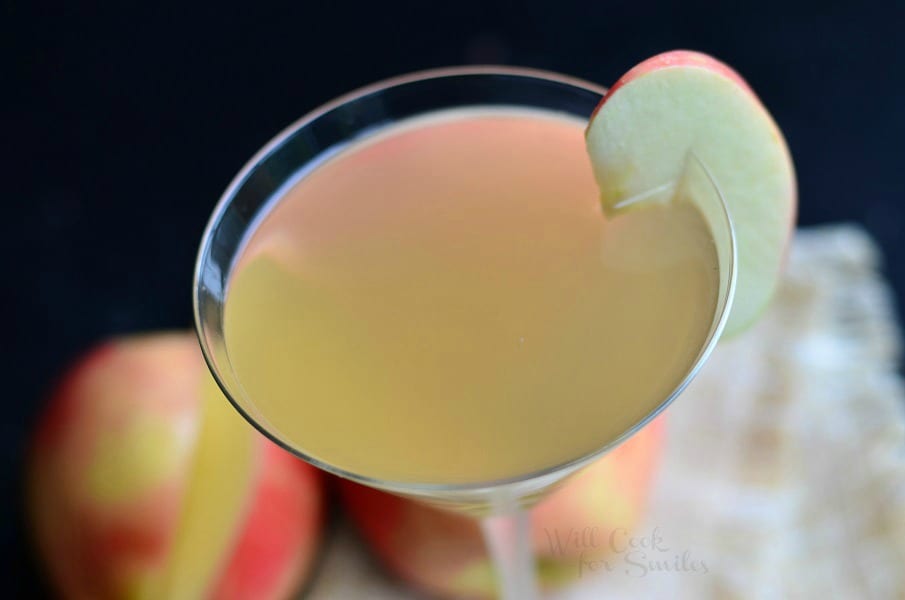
column 445, row 303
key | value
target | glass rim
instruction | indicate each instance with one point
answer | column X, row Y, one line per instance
column 436, row 490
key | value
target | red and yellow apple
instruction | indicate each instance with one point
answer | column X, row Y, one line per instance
column 683, row 102
column 145, row 483
column 443, row 553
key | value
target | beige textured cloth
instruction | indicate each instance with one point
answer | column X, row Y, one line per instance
column 784, row 473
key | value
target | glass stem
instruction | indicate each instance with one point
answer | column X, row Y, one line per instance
column 508, row 539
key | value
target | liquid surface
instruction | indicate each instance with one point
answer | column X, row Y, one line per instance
column 445, row 303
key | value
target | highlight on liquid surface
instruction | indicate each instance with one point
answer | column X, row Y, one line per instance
column 445, row 303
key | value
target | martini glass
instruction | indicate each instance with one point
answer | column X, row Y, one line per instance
column 500, row 505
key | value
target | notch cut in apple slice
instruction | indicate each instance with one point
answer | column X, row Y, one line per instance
column 678, row 102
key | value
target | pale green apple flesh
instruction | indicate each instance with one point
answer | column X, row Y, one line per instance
column 639, row 139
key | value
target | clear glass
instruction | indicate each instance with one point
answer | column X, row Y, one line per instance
column 302, row 146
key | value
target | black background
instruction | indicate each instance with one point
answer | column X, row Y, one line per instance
column 122, row 127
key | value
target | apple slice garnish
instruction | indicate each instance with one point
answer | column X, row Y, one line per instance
column 683, row 102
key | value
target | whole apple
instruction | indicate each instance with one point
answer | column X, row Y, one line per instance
column 443, row 553
column 144, row 483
